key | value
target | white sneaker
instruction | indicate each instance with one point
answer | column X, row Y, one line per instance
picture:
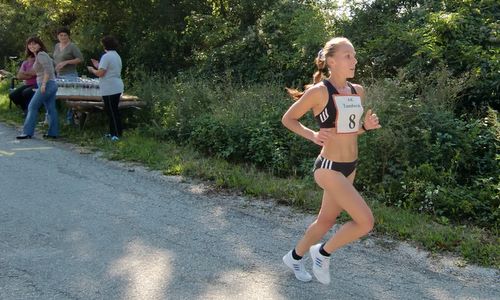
column 321, row 264
column 297, row 267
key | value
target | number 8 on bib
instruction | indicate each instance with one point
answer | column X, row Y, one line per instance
column 349, row 112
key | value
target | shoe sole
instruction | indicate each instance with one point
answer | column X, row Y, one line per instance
column 320, row 281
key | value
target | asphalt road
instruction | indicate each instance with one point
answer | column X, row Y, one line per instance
column 75, row 226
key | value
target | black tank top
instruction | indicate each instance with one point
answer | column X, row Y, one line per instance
column 326, row 118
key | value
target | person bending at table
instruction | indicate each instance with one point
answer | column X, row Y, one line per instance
column 109, row 69
column 66, row 55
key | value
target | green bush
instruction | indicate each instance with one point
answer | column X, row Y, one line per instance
column 244, row 125
column 219, row 138
column 426, row 159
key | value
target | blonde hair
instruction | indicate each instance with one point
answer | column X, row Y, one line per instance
column 321, row 67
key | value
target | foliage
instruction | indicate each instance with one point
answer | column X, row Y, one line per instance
column 13, row 29
column 149, row 32
column 279, row 43
column 420, row 35
column 427, row 160
column 262, row 40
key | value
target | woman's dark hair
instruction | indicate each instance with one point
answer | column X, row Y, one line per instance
column 35, row 39
column 109, row 42
column 63, row 29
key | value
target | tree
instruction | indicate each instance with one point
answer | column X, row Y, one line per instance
column 421, row 35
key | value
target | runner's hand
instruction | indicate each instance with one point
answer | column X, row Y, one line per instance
column 371, row 121
column 322, row 136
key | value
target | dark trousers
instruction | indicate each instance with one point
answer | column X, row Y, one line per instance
column 22, row 96
column 111, row 108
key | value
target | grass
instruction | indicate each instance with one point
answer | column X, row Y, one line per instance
column 474, row 244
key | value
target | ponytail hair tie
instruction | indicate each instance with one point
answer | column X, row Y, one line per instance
column 320, row 55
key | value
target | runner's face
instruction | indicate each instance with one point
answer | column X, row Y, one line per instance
column 344, row 60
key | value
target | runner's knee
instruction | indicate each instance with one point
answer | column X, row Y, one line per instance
column 366, row 222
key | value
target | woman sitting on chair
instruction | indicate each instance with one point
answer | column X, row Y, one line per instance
column 22, row 95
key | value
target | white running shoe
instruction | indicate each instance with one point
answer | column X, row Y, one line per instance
column 321, row 264
column 297, row 267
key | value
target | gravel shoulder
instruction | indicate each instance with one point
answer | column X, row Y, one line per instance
column 76, row 226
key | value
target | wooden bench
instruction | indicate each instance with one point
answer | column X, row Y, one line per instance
column 83, row 106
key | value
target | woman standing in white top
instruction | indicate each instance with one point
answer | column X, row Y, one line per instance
column 108, row 69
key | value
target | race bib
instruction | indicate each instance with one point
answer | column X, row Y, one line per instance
column 349, row 112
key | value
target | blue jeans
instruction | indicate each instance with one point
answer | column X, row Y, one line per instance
column 48, row 99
